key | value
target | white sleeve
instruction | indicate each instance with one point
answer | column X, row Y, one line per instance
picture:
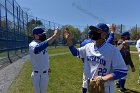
column 118, row 63
column 138, row 46
column 82, row 52
column 32, row 47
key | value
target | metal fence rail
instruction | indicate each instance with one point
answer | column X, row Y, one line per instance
column 13, row 26
column 16, row 29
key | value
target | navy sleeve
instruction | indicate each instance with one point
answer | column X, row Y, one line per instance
column 119, row 74
column 41, row 46
column 74, row 51
column 110, row 38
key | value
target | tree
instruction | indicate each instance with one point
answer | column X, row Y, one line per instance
column 84, row 33
column 135, row 33
column 33, row 23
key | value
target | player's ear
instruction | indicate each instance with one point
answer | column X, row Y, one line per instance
column 36, row 37
column 104, row 35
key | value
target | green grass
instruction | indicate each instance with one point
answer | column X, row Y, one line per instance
column 51, row 50
column 131, row 82
column 60, row 49
column 133, row 48
column 66, row 75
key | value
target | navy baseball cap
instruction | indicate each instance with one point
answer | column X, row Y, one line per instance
column 125, row 33
column 101, row 26
column 90, row 32
column 38, row 30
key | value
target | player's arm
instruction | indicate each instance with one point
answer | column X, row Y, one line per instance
column 119, row 67
column 110, row 39
column 53, row 37
column 42, row 45
column 137, row 46
column 105, row 78
column 130, row 61
column 73, row 50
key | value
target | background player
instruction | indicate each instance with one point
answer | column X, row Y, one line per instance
column 39, row 58
column 101, row 59
column 138, row 47
column 124, row 48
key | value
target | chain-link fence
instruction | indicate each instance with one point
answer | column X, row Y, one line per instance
column 16, row 28
column 13, row 29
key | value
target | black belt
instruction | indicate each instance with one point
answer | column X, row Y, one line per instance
column 38, row 71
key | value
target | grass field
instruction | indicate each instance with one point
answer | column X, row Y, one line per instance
column 66, row 75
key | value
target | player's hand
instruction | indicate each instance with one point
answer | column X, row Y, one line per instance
column 113, row 28
column 125, row 43
column 57, row 32
column 99, row 79
column 133, row 69
column 67, row 33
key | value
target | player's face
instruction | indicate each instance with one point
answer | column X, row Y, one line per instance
column 96, row 35
column 42, row 37
column 99, row 34
column 127, row 37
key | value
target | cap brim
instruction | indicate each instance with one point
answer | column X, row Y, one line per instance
column 94, row 28
column 44, row 32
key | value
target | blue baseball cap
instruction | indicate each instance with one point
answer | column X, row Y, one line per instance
column 38, row 30
column 90, row 32
column 125, row 33
column 101, row 26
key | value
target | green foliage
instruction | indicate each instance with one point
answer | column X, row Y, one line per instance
column 135, row 34
column 84, row 33
column 33, row 23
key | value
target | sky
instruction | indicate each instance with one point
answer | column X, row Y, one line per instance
column 84, row 12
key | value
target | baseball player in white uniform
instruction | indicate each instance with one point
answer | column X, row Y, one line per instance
column 110, row 40
column 101, row 59
column 138, row 47
column 39, row 58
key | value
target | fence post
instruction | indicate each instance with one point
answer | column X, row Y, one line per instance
column 7, row 32
column 14, row 27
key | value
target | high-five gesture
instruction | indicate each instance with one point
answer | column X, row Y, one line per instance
column 57, row 32
column 67, row 34
column 113, row 27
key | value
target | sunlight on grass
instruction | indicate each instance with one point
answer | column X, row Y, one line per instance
column 66, row 75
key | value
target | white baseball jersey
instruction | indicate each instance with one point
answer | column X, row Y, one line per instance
column 138, row 46
column 40, row 62
column 101, row 61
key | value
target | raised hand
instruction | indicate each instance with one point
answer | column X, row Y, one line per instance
column 57, row 32
column 67, row 35
column 113, row 27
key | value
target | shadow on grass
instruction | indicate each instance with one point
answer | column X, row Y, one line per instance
column 133, row 91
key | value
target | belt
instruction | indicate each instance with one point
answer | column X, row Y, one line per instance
column 38, row 71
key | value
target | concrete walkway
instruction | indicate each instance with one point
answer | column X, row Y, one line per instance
column 8, row 74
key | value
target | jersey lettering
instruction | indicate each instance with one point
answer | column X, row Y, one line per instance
column 97, row 59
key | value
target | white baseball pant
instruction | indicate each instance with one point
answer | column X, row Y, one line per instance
column 40, row 81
